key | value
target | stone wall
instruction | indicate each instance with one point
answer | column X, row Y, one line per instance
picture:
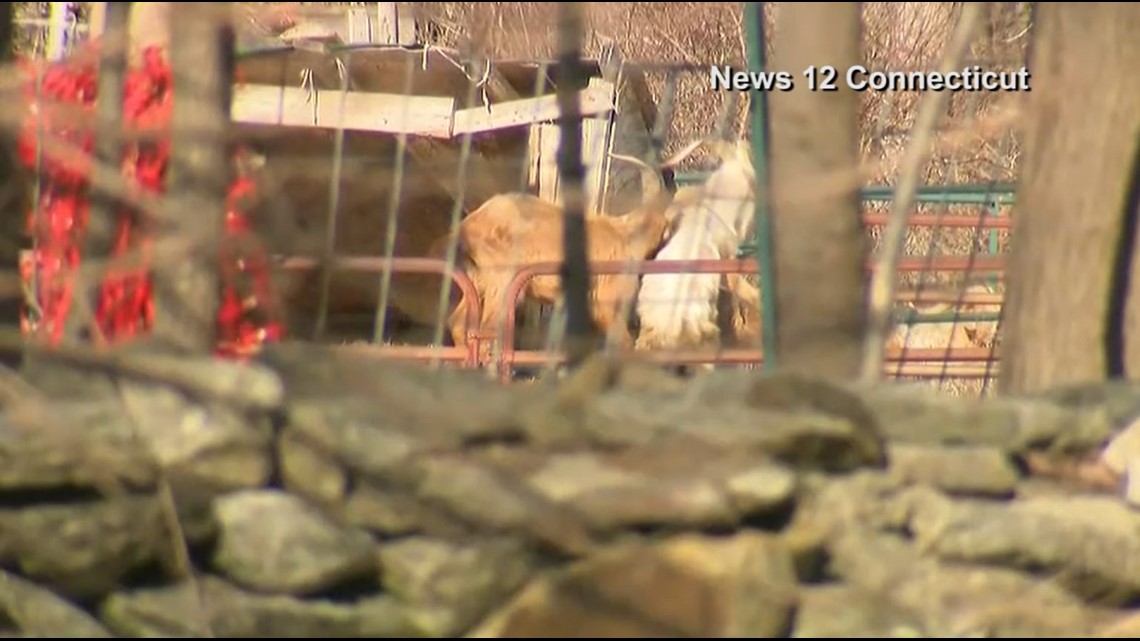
column 320, row 494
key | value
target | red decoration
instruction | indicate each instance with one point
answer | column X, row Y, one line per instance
column 125, row 306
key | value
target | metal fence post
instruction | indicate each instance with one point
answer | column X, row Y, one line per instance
column 758, row 111
column 575, row 273
column 187, row 292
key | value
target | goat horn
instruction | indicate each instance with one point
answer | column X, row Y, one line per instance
column 633, row 159
column 684, row 153
column 651, row 195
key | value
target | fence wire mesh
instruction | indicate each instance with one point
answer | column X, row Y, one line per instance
column 412, row 194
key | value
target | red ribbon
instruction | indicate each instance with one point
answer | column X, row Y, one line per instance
column 125, row 306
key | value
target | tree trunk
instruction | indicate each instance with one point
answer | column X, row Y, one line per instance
column 1082, row 128
column 819, row 244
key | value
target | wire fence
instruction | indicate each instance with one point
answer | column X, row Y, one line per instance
column 420, row 204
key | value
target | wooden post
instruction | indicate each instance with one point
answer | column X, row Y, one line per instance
column 820, row 245
column 187, row 290
column 581, row 333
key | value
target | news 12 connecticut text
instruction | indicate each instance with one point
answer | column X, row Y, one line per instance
column 859, row 78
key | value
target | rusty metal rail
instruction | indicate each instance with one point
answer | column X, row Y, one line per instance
column 956, row 362
column 509, row 356
column 467, row 355
column 986, row 221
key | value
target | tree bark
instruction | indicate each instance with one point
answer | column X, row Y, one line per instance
column 819, row 244
column 1081, row 133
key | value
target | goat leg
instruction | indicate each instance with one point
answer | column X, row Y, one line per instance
column 745, row 292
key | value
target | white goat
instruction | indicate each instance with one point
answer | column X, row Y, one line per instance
column 680, row 310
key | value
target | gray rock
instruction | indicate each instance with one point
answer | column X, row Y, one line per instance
column 1119, row 398
column 675, row 483
column 60, row 381
column 874, row 561
column 1092, row 541
column 212, row 608
column 496, row 501
column 990, row 602
column 37, row 612
column 760, row 490
column 242, row 385
column 275, row 543
column 76, row 445
column 84, row 549
column 1121, row 626
column 955, row 600
column 350, row 432
column 688, row 586
column 845, row 612
column 216, row 444
column 807, row 440
column 868, row 498
column 965, row 470
column 450, row 586
column 391, row 513
column 912, row 414
column 791, row 392
column 867, row 522
column 309, row 472
column 807, row 423
column 439, row 406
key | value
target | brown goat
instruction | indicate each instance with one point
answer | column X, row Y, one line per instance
column 512, row 230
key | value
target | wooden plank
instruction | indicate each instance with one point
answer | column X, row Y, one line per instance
column 594, row 100
column 543, row 151
column 395, row 24
column 362, row 27
column 385, row 113
column 595, row 143
column 543, row 168
column 354, row 25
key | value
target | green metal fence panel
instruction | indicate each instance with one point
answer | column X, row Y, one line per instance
column 756, row 44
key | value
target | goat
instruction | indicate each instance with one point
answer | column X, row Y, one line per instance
column 514, row 229
column 956, row 335
column 684, row 309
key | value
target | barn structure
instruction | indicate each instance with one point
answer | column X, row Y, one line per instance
column 330, row 98
column 472, row 128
